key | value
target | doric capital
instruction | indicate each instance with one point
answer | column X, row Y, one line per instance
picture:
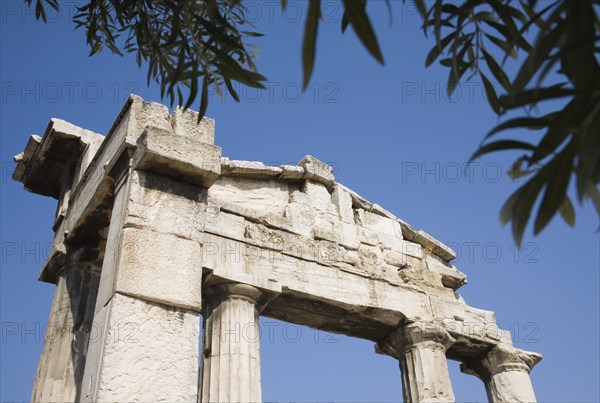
column 500, row 359
column 218, row 292
column 430, row 335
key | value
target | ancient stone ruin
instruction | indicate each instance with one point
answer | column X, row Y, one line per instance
column 154, row 228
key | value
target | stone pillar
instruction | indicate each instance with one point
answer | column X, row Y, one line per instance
column 60, row 370
column 149, row 298
column 231, row 346
column 505, row 372
column 421, row 349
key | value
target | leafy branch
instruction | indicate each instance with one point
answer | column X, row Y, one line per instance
column 194, row 44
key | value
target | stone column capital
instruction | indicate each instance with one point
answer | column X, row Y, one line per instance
column 421, row 334
column 220, row 291
column 500, row 359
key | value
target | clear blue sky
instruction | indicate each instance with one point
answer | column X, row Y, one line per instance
column 392, row 135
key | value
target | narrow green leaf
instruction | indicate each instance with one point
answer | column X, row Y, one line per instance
column 502, row 45
column 526, row 122
column 362, row 26
column 421, row 8
column 232, row 90
column 39, row 11
column 438, row 48
column 491, row 94
column 193, row 93
column 567, row 212
column 496, row 70
column 534, row 96
column 501, row 145
column 485, row 16
column 203, row 101
column 517, row 208
column 561, row 167
column 529, row 68
column 309, row 43
column 458, row 69
column 345, row 21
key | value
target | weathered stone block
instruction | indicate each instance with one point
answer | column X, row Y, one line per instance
column 141, row 114
column 327, row 227
column 185, row 123
column 343, row 201
column 263, row 196
column 318, row 196
column 317, row 170
column 451, row 276
column 142, row 352
column 264, row 236
column 165, row 205
column 300, row 213
column 159, row 267
column 402, row 260
column 432, row 244
column 248, row 169
column 225, row 224
column 378, row 223
column 291, row 173
column 187, row 159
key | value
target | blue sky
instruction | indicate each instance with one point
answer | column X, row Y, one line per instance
column 391, row 134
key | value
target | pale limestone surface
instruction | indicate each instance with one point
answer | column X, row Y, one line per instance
column 147, row 353
column 167, row 218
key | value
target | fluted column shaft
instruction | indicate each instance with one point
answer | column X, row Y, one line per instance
column 505, row 372
column 421, row 350
column 231, row 345
column 60, row 370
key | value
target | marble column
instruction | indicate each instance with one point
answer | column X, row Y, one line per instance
column 231, row 346
column 505, row 372
column 60, row 370
column 421, row 349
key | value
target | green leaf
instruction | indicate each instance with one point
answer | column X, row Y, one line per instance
column 496, row 70
column 438, row 48
column 345, row 22
column 567, row 212
column 491, row 94
column 485, row 16
column 421, row 8
column 501, row 145
column 232, row 90
column 530, row 67
column 39, row 11
column 193, row 93
column 517, row 208
column 309, row 43
column 534, row 96
column 362, row 26
column 203, row 101
column 526, row 122
column 502, row 45
column 516, row 171
column 561, row 168
column 458, row 69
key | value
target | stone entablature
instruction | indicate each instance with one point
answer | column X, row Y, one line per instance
column 175, row 230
